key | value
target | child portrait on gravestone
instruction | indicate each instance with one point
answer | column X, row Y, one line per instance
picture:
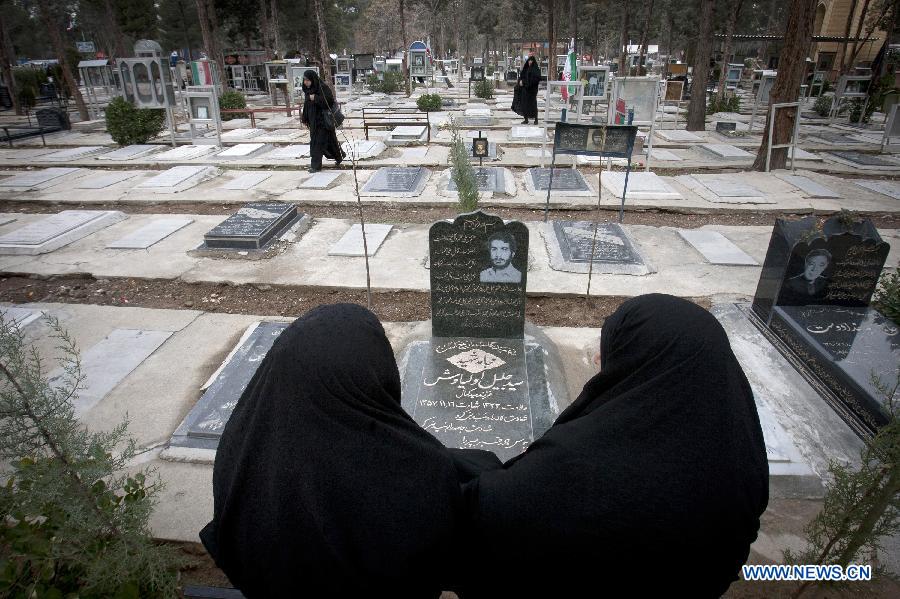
column 501, row 248
column 317, row 105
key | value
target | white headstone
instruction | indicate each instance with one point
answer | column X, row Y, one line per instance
column 185, row 152
column 641, row 186
column 716, row 248
column 241, row 151
column 56, row 231
column 809, row 187
column 408, row 132
column 727, row 187
column 678, row 135
column 363, row 148
column 104, row 180
column 129, row 152
column 289, row 152
column 36, row 179
column 239, row 134
column 176, row 177
column 478, row 111
column 664, row 155
column 152, row 233
column 351, row 244
column 726, row 151
column 246, row 181
column 322, row 180
column 70, row 154
column 526, row 133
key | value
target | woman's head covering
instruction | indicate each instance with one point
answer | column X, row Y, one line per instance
column 657, row 470
column 313, row 80
column 323, row 485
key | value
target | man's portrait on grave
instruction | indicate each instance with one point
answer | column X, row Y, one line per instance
column 812, row 281
column 419, row 60
column 501, row 248
column 480, row 147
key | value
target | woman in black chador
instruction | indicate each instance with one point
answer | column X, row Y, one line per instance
column 318, row 100
column 530, row 79
column 323, row 485
column 654, row 477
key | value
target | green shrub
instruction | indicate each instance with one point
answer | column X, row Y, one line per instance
column 462, row 172
column 728, row 104
column 429, row 102
column 822, row 105
column 28, row 85
column 484, row 89
column 129, row 125
column 390, row 83
column 231, row 100
column 887, row 297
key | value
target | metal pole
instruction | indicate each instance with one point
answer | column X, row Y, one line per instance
column 550, row 186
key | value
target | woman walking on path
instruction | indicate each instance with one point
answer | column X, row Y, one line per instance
column 530, row 79
column 318, row 101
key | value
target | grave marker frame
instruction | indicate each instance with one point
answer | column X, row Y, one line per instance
column 766, row 82
column 564, row 113
column 795, row 131
column 891, row 128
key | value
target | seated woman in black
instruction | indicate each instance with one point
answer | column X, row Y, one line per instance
column 654, row 478
column 323, row 486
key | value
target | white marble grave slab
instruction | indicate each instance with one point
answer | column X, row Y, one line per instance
column 289, row 152
column 70, row 154
column 102, row 181
column 107, row 363
column 185, row 152
column 235, row 124
column 177, row 178
column 36, row 179
column 678, row 135
column 526, row 133
column 241, row 133
column 801, row 154
column 888, row 188
column 57, row 230
column 809, row 187
column 726, row 151
column 351, row 244
column 716, row 248
column 408, row 132
column 362, row 149
column 151, row 233
column 414, row 153
column 246, row 181
column 19, row 316
column 727, row 188
column 321, row 180
column 664, row 155
column 478, row 111
column 130, row 152
column 241, row 151
column 641, row 186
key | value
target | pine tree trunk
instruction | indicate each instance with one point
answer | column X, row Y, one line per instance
column 842, row 68
column 645, row 35
column 791, row 70
column 8, row 56
column 696, row 117
column 273, row 24
column 264, row 29
column 115, row 31
column 323, row 41
column 209, row 31
column 859, row 26
column 573, row 18
column 551, row 35
column 770, row 30
column 726, row 55
column 623, row 40
column 54, row 30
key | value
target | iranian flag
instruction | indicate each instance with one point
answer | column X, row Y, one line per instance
column 569, row 71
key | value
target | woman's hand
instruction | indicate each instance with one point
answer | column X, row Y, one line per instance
column 312, row 96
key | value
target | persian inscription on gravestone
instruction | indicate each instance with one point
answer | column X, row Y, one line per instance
column 251, row 227
column 488, row 179
column 565, row 179
column 581, row 139
column 611, row 245
column 396, row 179
column 479, row 267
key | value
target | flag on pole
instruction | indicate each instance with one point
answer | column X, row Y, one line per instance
column 569, row 70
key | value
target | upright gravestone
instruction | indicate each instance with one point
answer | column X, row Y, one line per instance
column 813, row 301
column 477, row 383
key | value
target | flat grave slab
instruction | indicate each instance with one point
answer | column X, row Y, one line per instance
column 526, row 133
column 716, row 248
column 566, row 181
column 414, row 153
column 888, row 188
column 801, row 154
column 490, row 179
column 57, row 230
column 835, row 139
column 678, row 135
column 404, row 182
column 107, row 363
column 19, row 316
column 177, row 178
column 289, row 152
column 38, row 179
column 321, row 180
column 477, row 110
column 185, row 153
column 351, row 243
column 664, row 155
column 408, row 132
column 722, row 188
column 809, row 187
column 70, row 154
column 241, row 133
column 478, row 121
column 233, row 124
column 130, row 152
column 641, row 186
column 252, row 227
column 203, row 425
column 362, row 149
column 245, row 181
column 866, row 161
column 101, row 181
column 726, row 151
column 150, row 234
column 242, row 151
column 569, row 244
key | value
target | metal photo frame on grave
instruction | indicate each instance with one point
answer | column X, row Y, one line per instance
column 296, row 72
column 594, row 90
column 477, row 73
column 480, row 147
column 364, row 62
column 640, row 93
column 146, row 82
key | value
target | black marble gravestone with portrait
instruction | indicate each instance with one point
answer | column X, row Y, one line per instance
column 812, row 301
column 251, row 227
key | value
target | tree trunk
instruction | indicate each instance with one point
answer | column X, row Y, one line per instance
column 54, row 29
column 859, row 26
column 763, row 49
column 696, row 117
column 645, row 38
column 209, row 30
column 726, row 55
column 264, row 29
column 869, row 31
column 551, row 35
column 323, row 41
column 273, row 24
column 114, row 31
column 405, row 47
column 8, row 56
column 842, row 63
column 791, row 70
column 623, row 40
column 573, row 19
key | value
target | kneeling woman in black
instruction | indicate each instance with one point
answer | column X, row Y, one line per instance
column 654, row 478
column 323, row 486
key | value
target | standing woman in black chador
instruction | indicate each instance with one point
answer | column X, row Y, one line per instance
column 323, row 486
column 530, row 79
column 318, row 100
column 656, row 475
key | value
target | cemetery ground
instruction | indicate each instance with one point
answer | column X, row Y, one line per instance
column 162, row 314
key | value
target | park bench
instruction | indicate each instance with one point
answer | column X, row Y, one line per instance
column 49, row 120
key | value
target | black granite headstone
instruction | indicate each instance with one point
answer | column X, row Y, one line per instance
column 251, row 227
column 725, row 127
column 564, row 179
column 479, row 267
column 611, row 245
column 864, row 159
column 615, row 141
column 395, row 179
column 838, row 265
